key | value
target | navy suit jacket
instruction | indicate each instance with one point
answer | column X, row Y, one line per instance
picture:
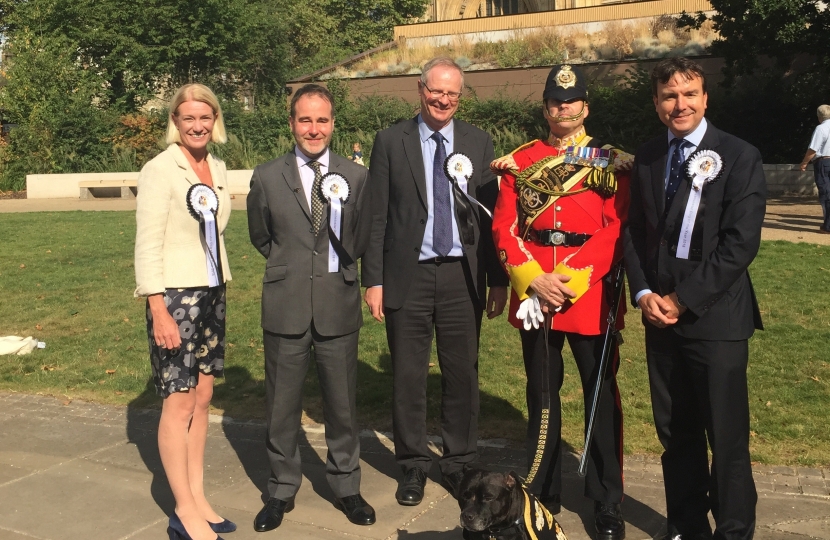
column 716, row 287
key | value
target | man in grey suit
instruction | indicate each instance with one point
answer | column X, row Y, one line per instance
column 426, row 270
column 311, row 299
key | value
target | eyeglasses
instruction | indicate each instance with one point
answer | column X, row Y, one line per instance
column 438, row 94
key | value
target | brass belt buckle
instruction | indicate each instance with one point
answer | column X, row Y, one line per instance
column 557, row 238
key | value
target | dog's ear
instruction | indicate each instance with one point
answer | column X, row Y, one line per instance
column 510, row 480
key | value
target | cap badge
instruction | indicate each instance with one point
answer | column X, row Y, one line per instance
column 565, row 77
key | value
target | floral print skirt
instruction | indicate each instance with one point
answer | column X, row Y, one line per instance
column 200, row 314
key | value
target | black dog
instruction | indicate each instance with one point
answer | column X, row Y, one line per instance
column 495, row 506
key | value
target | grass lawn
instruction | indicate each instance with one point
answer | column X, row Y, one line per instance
column 67, row 279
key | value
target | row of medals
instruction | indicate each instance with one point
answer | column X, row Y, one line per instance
column 587, row 156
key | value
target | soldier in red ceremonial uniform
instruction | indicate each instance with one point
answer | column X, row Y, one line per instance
column 557, row 228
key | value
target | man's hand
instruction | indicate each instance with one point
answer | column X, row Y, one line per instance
column 374, row 299
column 656, row 310
column 503, row 164
column 552, row 290
column 676, row 309
column 496, row 300
column 808, row 157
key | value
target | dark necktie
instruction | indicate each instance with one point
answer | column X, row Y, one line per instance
column 676, row 171
column 441, row 211
column 316, row 196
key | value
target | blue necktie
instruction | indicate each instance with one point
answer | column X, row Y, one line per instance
column 676, row 171
column 441, row 211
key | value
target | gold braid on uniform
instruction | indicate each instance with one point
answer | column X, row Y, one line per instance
column 540, row 447
column 523, row 179
column 603, row 181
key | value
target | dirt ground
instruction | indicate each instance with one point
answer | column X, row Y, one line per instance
column 795, row 219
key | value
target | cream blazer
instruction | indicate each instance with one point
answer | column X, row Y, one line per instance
column 168, row 248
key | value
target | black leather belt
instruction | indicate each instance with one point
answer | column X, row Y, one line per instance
column 441, row 260
column 555, row 237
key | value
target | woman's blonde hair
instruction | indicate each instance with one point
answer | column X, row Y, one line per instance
column 196, row 92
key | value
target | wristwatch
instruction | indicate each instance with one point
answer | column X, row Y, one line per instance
column 680, row 302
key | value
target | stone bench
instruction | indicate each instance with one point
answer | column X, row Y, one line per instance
column 97, row 185
column 127, row 188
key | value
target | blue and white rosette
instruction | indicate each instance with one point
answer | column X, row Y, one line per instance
column 203, row 204
column 459, row 169
column 703, row 167
column 335, row 189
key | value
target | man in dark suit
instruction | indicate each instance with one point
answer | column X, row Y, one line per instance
column 427, row 268
column 311, row 299
column 698, row 198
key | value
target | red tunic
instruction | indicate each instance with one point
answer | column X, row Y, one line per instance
column 586, row 212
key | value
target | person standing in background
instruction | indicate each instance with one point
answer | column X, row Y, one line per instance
column 819, row 153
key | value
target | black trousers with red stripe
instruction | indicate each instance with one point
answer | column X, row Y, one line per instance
column 604, row 481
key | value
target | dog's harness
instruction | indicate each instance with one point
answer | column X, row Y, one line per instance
column 536, row 521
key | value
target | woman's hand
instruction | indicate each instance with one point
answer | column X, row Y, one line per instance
column 165, row 329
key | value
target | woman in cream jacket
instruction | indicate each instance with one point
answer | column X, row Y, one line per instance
column 183, row 206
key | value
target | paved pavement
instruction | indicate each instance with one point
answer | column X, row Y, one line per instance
column 82, row 471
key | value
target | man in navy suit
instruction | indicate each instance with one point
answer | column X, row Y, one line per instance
column 698, row 197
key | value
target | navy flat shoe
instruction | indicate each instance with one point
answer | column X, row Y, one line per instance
column 226, row 526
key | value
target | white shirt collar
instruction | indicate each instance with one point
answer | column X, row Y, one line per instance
column 695, row 136
column 303, row 159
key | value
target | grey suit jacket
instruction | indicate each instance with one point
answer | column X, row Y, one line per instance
column 297, row 286
column 399, row 208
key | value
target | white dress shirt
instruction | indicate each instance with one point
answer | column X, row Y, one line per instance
column 693, row 141
column 307, row 173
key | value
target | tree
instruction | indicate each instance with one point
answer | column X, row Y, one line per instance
column 142, row 49
column 60, row 124
column 782, row 30
column 777, row 70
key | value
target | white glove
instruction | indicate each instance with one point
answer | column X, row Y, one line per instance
column 530, row 312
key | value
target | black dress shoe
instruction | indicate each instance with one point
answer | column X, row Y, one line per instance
column 552, row 502
column 357, row 509
column 608, row 521
column 270, row 517
column 452, row 481
column 411, row 489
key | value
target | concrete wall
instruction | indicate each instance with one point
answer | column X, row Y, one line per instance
column 789, row 180
column 517, row 83
column 65, row 186
column 781, row 179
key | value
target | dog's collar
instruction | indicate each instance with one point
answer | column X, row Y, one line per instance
column 494, row 534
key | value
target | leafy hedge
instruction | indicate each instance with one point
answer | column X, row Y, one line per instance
column 66, row 133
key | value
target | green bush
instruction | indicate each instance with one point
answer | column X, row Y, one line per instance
column 623, row 114
column 53, row 101
column 61, row 129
